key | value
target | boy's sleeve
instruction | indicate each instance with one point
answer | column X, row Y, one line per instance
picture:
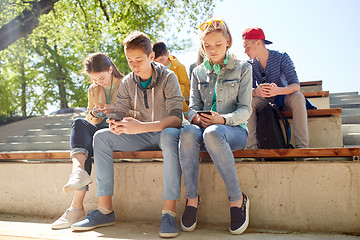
column 173, row 96
column 183, row 80
column 288, row 69
column 123, row 102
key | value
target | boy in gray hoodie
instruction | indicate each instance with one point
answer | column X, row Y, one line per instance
column 153, row 94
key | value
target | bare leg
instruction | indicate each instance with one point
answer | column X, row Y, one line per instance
column 193, row 202
column 78, row 200
column 170, row 205
column 237, row 203
column 106, row 202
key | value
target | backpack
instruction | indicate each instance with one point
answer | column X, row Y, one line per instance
column 269, row 131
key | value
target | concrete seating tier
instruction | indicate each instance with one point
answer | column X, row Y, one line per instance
column 322, row 123
column 310, row 86
column 350, row 116
column 320, row 196
column 320, row 99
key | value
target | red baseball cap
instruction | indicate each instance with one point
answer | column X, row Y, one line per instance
column 254, row 33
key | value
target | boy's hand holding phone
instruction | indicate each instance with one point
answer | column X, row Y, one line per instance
column 128, row 125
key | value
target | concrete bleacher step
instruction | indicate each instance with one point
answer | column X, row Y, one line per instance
column 64, row 124
column 58, row 131
column 351, row 138
column 34, row 146
column 37, row 138
column 348, row 100
column 345, row 105
column 350, row 116
column 349, row 128
column 286, row 196
column 350, row 111
column 343, row 94
column 311, row 88
column 351, row 119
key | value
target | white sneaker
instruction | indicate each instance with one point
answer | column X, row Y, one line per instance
column 70, row 217
column 78, row 179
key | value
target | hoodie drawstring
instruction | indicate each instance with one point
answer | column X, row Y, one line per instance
column 135, row 99
column 146, row 105
column 153, row 105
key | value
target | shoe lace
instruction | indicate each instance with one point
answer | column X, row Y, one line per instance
column 172, row 220
column 75, row 175
column 91, row 212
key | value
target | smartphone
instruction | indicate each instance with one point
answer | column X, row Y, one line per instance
column 112, row 116
column 265, row 84
column 203, row 112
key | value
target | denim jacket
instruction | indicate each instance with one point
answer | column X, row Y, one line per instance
column 233, row 92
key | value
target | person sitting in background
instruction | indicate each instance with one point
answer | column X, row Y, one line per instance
column 171, row 62
column 275, row 79
column 106, row 79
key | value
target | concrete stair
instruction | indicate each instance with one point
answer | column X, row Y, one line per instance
column 51, row 133
column 350, row 117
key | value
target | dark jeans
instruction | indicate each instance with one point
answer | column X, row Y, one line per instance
column 81, row 140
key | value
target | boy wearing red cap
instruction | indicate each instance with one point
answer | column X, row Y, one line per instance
column 275, row 79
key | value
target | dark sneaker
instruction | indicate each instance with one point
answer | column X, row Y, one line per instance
column 169, row 227
column 189, row 220
column 94, row 219
column 240, row 217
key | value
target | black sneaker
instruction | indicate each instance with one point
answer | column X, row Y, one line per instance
column 240, row 217
column 188, row 219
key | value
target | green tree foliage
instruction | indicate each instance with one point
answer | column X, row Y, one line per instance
column 44, row 68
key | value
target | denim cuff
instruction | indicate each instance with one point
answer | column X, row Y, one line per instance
column 86, row 188
column 79, row 150
column 234, row 199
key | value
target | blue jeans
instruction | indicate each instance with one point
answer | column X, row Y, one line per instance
column 219, row 141
column 81, row 138
column 105, row 142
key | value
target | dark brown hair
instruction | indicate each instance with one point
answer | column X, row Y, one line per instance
column 99, row 62
column 160, row 49
column 139, row 40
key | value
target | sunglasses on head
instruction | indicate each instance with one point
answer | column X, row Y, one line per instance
column 215, row 23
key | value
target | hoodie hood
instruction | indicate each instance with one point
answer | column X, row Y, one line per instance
column 174, row 61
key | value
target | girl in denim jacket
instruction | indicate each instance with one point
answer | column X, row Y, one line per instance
column 221, row 85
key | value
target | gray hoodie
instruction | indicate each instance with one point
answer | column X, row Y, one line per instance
column 161, row 99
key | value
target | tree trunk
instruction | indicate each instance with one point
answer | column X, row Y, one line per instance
column 23, row 88
column 62, row 93
column 24, row 23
